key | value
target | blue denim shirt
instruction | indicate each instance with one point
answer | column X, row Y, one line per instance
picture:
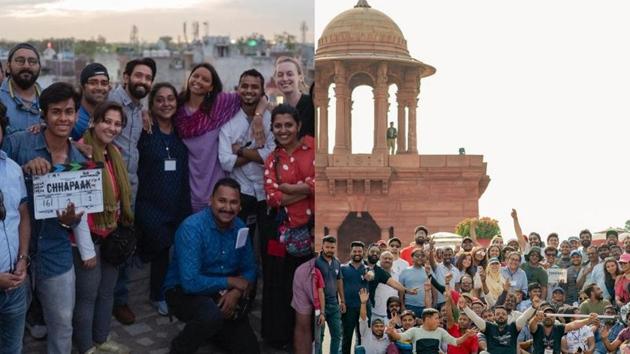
column 205, row 256
column 127, row 141
column 81, row 125
column 50, row 243
column 20, row 117
column 14, row 194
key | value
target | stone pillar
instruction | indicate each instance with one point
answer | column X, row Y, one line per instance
column 380, row 110
column 322, row 134
column 349, row 121
column 402, row 132
column 413, row 143
column 341, row 95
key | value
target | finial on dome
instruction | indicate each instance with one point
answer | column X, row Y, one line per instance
column 362, row 3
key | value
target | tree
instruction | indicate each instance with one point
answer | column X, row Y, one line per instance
column 627, row 225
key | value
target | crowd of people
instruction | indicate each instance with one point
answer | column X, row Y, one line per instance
column 213, row 188
column 517, row 295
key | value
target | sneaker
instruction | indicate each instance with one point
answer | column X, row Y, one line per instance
column 112, row 347
column 37, row 331
column 161, row 307
column 124, row 314
column 91, row 351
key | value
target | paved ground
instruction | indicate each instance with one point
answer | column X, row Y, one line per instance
column 152, row 333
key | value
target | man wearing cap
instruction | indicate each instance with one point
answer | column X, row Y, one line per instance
column 548, row 334
column 622, row 293
column 557, row 298
column 574, row 243
column 573, row 271
column 373, row 338
column 534, row 272
column 137, row 80
column 420, row 238
column 94, row 90
column 535, row 290
column 19, row 93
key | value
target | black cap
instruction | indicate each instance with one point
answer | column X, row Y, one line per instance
column 22, row 46
column 91, row 70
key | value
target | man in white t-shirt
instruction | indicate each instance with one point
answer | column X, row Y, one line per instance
column 384, row 291
column 373, row 339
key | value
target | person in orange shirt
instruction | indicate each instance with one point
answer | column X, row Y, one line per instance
column 421, row 237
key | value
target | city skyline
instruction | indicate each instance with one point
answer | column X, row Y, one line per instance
column 113, row 20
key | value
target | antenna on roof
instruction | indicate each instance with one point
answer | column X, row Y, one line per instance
column 362, row 3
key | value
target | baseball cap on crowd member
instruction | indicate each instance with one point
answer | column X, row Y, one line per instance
column 91, row 70
column 534, row 249
column 625, row 258
column 494, row 260
column 557, row 289
column 576, row 253
column 573, row 238
column 612, row 232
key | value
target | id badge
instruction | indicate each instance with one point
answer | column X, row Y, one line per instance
column 548, row 351
column 513, row 284
column 170, row 165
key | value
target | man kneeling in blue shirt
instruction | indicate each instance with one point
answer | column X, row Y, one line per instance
column 212, row 269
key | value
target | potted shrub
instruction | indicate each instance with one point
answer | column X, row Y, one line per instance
column 485, row 229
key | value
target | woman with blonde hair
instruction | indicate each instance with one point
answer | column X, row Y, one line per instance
column 289, row 78
column 492, row 281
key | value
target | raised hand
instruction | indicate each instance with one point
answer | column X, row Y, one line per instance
column 514, row 214
column 540, row 315
column 506, row 285
column 536, row 301
column 364, row 295
column 448, row 277
column 603, row 332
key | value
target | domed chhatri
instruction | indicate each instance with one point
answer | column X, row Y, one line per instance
column 365, row 33
column 359, row 195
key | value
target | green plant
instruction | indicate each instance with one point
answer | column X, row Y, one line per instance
column 486, row 228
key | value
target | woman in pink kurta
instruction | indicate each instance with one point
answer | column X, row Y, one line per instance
column 203, row 110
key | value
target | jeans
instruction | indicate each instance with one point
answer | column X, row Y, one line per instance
column 204, row 320
column 57, row 295
column 94, row 303
column 12, row 319
column 350, row 322
column 417, row 310
column 333, row 319
column 121, row 292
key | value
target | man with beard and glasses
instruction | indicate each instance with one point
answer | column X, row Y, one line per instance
column 420, row 238
column 353, row 282
column 19, row 93
column 95, row 87
column 608, row 329
column 212, row 269
column 591, row 270
column 595, row 302
column 137, row 80
column 243, row 160
column 330, row 268
column 548, row 334
column 501, row 336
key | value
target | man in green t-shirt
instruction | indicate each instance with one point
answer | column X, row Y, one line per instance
column 534, row 271
column 392, row 134
column 595, row 302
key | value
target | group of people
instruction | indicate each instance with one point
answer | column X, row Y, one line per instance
column 212, row 188
column 517, row 295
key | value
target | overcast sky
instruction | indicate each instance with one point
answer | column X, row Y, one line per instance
column 113, row 19
column 540, row 88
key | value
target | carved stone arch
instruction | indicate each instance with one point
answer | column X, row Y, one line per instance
column 360, row 78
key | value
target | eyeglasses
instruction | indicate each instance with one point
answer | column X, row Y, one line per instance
column 550, row 254
column 32, row 61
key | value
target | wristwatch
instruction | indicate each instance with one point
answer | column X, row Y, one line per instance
column 26, row 257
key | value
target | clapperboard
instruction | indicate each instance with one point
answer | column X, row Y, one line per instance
column 79, row 183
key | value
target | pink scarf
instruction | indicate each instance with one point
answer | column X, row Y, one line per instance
column 225, row 106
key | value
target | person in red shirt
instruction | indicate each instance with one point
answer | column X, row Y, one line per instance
column 456, row 328
column 421, row 236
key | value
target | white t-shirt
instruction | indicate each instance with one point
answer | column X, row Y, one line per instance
column 578, row 339
column 369, row 341
column 398, row 266
column 383, row 292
